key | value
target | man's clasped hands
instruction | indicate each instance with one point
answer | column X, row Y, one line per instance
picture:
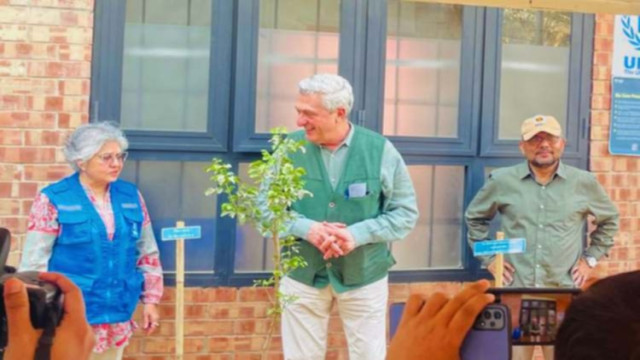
column 331, row 238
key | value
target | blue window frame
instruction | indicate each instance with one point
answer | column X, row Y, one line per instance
column 580, row 52
column 107, row 76
column 363, row 37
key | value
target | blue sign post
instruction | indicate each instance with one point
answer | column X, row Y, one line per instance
column 498, row 248
column 179, row 234
column 185, row 233
column 494, row 247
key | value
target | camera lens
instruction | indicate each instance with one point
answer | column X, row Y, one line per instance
column 487, row 314
column 497, row 315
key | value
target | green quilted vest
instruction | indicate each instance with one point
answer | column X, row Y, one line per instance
column 367, row 263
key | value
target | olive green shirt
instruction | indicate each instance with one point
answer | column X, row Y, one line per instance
column 550, row 217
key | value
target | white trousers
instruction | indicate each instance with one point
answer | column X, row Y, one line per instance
column 526, row 352
column 363, row 312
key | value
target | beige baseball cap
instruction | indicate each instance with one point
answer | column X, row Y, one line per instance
column 540, row 123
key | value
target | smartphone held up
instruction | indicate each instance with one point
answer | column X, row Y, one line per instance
column 518, row 317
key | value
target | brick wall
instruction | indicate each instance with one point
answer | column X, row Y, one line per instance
column 45, row 54
column 45, row 66
column 618, row 174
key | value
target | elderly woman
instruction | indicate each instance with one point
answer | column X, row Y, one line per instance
column 95, row 229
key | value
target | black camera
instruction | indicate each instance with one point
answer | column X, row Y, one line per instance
column 45, row 299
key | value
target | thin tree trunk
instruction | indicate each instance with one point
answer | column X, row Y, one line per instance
column 276, row 287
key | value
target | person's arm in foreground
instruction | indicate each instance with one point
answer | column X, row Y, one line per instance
column 435, row 329
column 74, row 338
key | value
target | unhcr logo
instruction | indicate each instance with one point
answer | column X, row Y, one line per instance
column 633, row 36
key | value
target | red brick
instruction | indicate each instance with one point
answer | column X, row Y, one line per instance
column 602, row 102
column 27, row 155
column 601, row 87
column 27, row 86
column 68, row 18
column 601, row 117
column 57, row 69
column 199, row 328
column 24, row 119
column 620, row 164
column 10, row 172
column 221, row 343
column 46, row 173
column 14, row 102
column 210, row 357
column 254, row 326
column 249, row 356
column 10, row 137
column 604, row 179
column 72, row 120
column 602, row 58
column 17, row 225
column 604, row 29
column 5, row 189
column 27, row 190
column 194, row 345
column 53, row 103
column 603, row 44
column 134, row 347
column 196, row 295
column 9, row 207
column 156, row 345
column 166, row 310
column 61, row 35
column 241, row 343
column 196, row 311
column 166, row 329
column 45, row 137
column 601, row 73
column 256, row 294
column 73, row 87
column 169, row 295
column 238, row 310
column 66, row 4
column 224, row 294
column 25, row 206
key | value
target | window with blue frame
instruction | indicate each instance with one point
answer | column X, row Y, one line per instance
column 449, row 85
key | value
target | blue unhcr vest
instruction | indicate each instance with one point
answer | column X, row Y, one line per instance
column 105, row 270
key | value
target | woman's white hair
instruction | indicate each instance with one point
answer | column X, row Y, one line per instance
column 335, row 90
column 87, row 140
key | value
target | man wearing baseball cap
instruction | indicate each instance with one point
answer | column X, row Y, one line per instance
column 546, row 202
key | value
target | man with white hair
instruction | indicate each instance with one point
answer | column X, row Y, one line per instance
column 363, row 198
column 546, row 202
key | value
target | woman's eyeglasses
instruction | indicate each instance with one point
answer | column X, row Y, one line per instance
column 109, row 158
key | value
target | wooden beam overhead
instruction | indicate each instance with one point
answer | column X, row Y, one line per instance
column 622, row 7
